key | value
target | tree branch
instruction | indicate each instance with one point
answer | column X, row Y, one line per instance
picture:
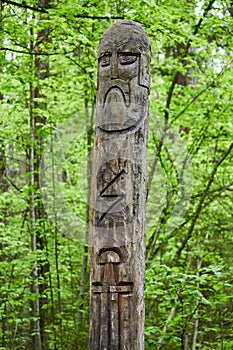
column 33, row 53
column 175, row 79
column 24, row 6
column 197, row 27
column 200, row 205
column 169, row 96
column 42, row 10
column 13, row 184
column 190, row 103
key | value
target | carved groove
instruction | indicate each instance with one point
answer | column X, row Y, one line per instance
column 118, row 196
column 111, row 207
column 112, row 182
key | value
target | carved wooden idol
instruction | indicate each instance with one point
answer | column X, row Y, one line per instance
column 118, row 190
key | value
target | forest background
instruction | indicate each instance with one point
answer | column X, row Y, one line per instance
column 48, row 64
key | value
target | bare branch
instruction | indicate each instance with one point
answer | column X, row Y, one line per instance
column 42, row 10
column 207, row 9
column 33, row 53
column 201, row 202
column 13, row 184
column 24, row 6
column 175, row 79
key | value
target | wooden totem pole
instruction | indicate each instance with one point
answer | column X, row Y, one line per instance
column 118, row 190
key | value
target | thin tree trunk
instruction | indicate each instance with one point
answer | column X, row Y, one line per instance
column 35, row 277
column 170, row 317
column 38, row 239
column 84, row 274
column 56, row 252
column 3, row 188
column 196, row 323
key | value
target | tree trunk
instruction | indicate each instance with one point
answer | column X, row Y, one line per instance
column 3, row 209
column 35, row 275
column 84, row 277
column 38, row 238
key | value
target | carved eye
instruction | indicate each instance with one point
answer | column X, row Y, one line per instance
column 105, row 61
column 127, row 59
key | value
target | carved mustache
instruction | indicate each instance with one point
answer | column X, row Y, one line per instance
column 122, row 85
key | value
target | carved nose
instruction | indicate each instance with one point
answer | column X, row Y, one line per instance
column 114, row 68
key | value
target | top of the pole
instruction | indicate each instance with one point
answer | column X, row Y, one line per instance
column 127, row 36
column 123, row 78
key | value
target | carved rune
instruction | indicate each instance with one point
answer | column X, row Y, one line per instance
column 113, row 296
column 116, row 204
column 117, row 197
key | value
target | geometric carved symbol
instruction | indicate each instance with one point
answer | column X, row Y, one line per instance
column 109, row 256
column 112, row 303
column 118, row 197
column 110, row 262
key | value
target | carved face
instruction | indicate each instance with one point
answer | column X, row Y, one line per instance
column 116, row 64
column 123, row 77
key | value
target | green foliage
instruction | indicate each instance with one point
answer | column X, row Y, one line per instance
column 48, row 63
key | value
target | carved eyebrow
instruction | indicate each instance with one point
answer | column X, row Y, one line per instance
column 107, row 53
column 127, row 53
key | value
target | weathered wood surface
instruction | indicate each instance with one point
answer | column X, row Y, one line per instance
column 118, row 190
